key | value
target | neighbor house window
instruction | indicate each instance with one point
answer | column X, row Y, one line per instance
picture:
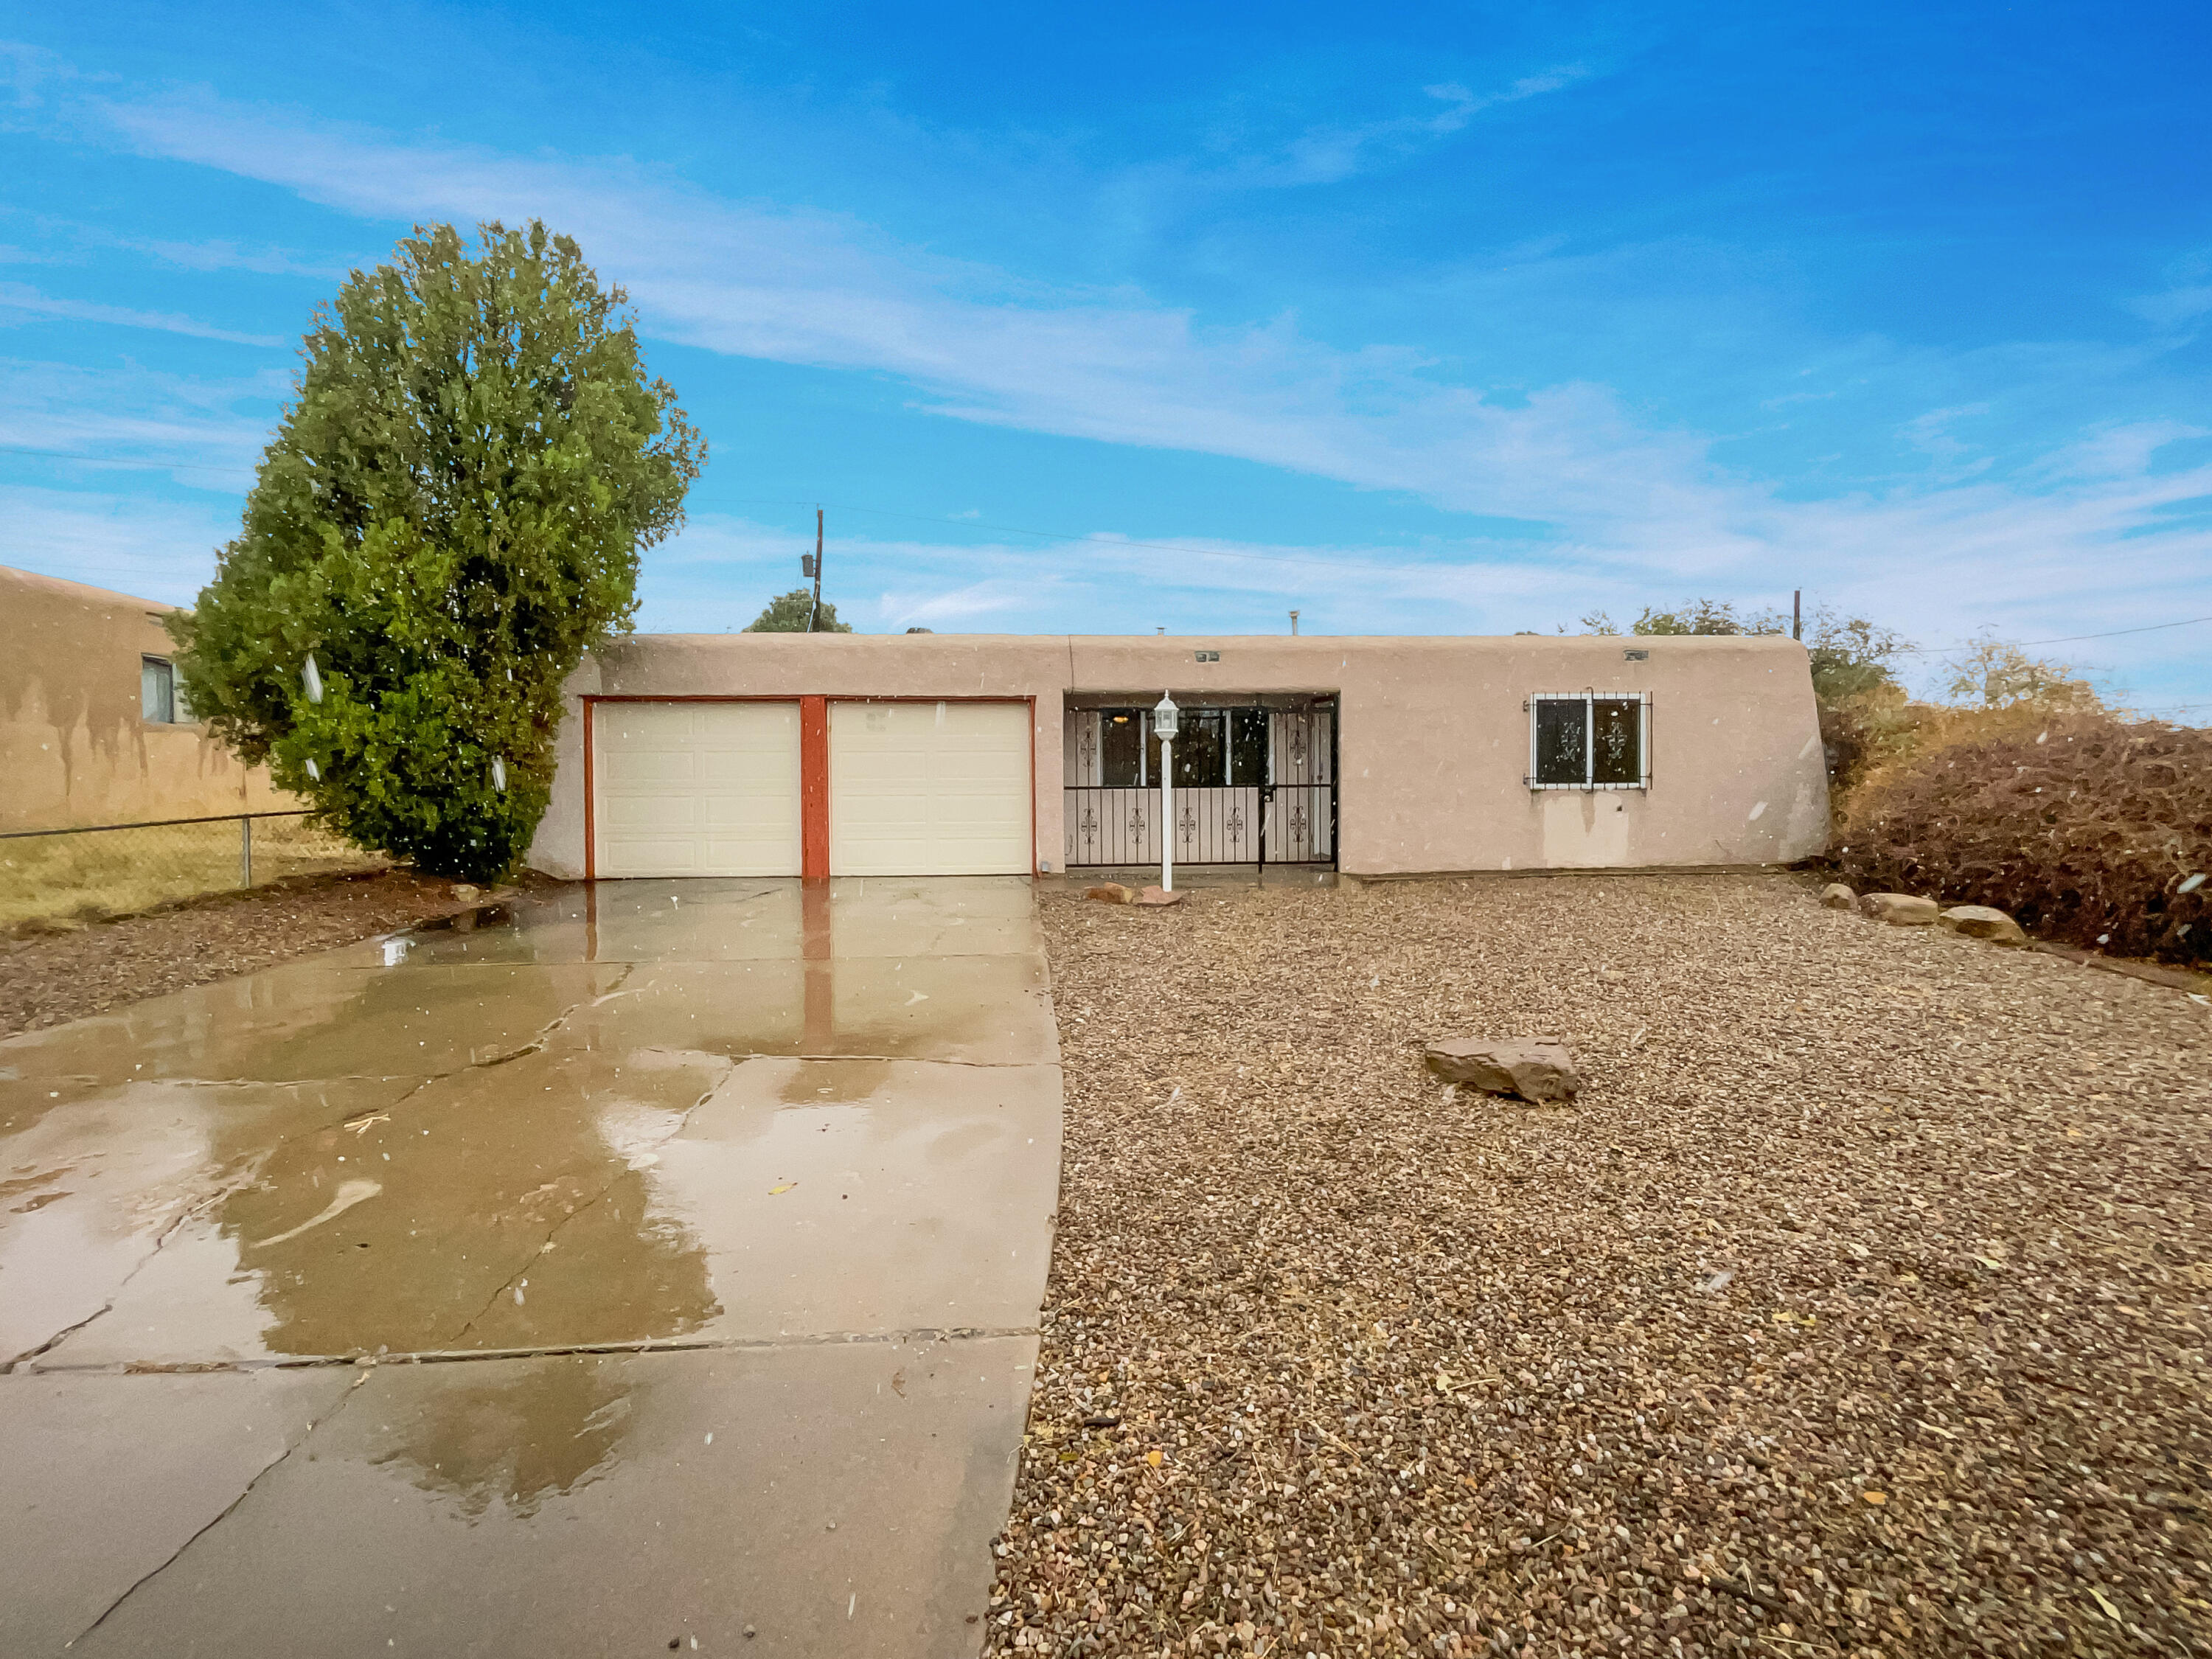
column 160, row 698
column 1588, row 740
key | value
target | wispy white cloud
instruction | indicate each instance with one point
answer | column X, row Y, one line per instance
column 221, row 255
column 2005, row 563
column 2175, row 306
column 800, row 285
column 18, row 302
column 207, row 434
column 156, row 549
column 1330, row 154
column 1629, row 507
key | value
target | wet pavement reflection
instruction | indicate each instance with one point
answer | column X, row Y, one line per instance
column 728, row 1116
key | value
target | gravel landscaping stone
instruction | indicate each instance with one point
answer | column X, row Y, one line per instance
column 1980, row 922
column 1857, row 1306
column 1901, row 909
column 1532, row 1071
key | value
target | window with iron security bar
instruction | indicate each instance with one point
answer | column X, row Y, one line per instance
column 1252, row 786
column 1589, row 740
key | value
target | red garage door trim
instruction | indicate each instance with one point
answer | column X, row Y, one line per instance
column 813, row 770
column 814, row 788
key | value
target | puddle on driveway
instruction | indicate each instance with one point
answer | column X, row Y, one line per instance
column 803, row 1130
column 991, row 1010
column 313, row 1021
column 339, row 1157
column 734, row 920
column 505, row 1439
column 100, row 1180
column 470, row 1178
column 837, row 1195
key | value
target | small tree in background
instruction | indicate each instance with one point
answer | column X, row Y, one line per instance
column 1850, row 655
column 787, row 613
column 449, row 516
column 1994, row 675
column 1861, row 705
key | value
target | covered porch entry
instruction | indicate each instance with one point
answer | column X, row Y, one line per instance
column 1255, row 781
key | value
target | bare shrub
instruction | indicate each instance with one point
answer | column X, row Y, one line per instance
column 2084, row 825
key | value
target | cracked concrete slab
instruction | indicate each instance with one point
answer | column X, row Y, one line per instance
column 835, row 1498
column 89, row 1194
column 107, row 1478
column 781, row 1169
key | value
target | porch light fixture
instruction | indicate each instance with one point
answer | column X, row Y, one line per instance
column 1165, row 717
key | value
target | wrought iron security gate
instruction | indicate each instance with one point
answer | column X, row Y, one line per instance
column 1275, row 801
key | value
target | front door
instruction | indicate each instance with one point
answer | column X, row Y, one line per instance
column 1252, row 784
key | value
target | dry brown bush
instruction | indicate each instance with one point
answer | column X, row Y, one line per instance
column 2083, row 825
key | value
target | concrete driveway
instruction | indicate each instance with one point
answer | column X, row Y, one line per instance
column 651, row 1266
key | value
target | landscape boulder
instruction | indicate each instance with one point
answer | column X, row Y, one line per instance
column 1156, row 896
column 1901, row 909
column 1533, row 1068
column 1111, row 892
column 1837, row 896
column 1980, row 922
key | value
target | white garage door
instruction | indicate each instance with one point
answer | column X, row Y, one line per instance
column 696, row 788
column 929, row 789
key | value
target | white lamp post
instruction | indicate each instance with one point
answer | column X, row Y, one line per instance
column 1164, row 715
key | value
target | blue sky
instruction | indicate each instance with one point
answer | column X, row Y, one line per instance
column 1447, row 319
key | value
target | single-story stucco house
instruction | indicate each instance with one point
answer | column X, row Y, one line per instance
column 93, row 729
column 836, row 755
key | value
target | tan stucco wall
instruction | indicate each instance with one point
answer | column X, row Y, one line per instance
column 73, row 748
column 1433, row 741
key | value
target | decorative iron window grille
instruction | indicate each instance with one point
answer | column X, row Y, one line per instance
column 1589, row 740
column 1252, row 784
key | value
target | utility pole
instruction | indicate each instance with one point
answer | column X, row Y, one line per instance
column 1796, row 611
column 816, row 611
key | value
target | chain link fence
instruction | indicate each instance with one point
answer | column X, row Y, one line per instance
column 119, row 869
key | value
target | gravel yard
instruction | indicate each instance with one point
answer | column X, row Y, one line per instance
column 46, row 978
column 1859, row 1306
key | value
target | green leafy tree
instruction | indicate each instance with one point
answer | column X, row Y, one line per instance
column 1852, row 658
column 787, row 613
column 448, row 517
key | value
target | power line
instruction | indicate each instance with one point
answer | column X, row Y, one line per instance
column 2063, row 638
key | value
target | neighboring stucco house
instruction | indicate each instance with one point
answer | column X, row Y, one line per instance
column 821, row 755
column 93, row 726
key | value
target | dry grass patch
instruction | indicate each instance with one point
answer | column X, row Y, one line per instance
column 1859, row 1306
column 87, row 874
